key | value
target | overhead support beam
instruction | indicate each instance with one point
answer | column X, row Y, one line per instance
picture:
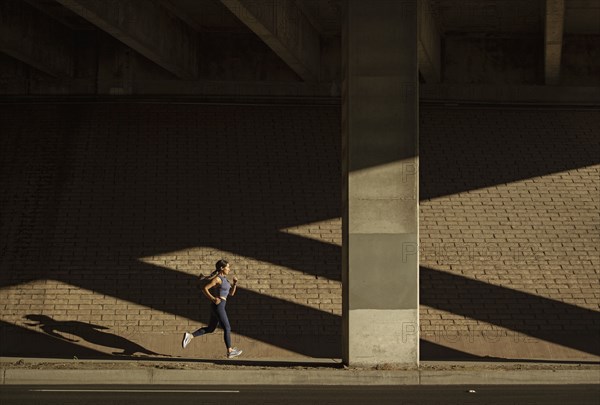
column 35, row 39
column 146, row 28
column 181, row 14
column 555, row 17
column 311, row 18
column 429, row 44
column 57, row 12
column 285, row 29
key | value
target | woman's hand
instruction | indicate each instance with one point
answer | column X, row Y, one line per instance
column 233, row 287
column 217, row 301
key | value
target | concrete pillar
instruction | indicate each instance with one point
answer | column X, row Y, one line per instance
column 553, row 34
column 380, row 182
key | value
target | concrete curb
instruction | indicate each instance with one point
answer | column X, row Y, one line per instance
column 298, row 377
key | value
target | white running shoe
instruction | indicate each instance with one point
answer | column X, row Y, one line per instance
column 234, row 353
column 187, row 338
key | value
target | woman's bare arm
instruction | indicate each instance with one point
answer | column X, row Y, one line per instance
column 215, row 281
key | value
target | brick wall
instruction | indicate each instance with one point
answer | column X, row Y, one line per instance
column 109, row 211
column 509, row 228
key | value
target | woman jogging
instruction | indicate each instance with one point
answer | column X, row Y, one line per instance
column 218, row 315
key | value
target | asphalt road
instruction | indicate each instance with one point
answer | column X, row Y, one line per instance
column 311, row 395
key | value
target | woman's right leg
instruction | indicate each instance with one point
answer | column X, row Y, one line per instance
column 212, row 324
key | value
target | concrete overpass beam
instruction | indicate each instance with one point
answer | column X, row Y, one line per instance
column 35, row 39
column 175, row 9
column 147, row 28
column 553, row 34
column 285, row 29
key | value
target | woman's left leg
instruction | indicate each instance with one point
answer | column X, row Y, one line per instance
column 224, row 321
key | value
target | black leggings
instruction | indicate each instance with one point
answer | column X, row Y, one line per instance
column 217, row 316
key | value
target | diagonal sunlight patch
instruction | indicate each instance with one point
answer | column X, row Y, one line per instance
column 546, row 183
column 327, row 231
column 516, row 258
column 265, row 278
column 538, row 236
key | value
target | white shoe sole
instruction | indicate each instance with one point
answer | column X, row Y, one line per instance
column 231, row 357
column 184, row 343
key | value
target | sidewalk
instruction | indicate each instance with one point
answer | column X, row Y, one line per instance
column 15, row 371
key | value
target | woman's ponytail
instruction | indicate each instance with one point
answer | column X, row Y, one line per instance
column 218, row 266
column 209, row 277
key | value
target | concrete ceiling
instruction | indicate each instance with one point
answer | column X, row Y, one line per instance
column 452, row 16
column 209, row 15
column 326, row 14
column 304, row 33
column 62, row 14
column 582, row 17
column 512, row 16
column 213, row 16
column 493, row 16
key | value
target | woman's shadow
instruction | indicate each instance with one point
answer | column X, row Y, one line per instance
column 86, row 331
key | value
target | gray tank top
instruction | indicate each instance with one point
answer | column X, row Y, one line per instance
column 224, row 287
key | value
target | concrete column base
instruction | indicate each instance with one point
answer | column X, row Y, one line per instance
column 380, row 336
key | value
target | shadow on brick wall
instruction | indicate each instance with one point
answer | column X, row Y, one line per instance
column 468, row 149
column 22, row 342
column 532, row 315
column 76, row 331
column 91, row 190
